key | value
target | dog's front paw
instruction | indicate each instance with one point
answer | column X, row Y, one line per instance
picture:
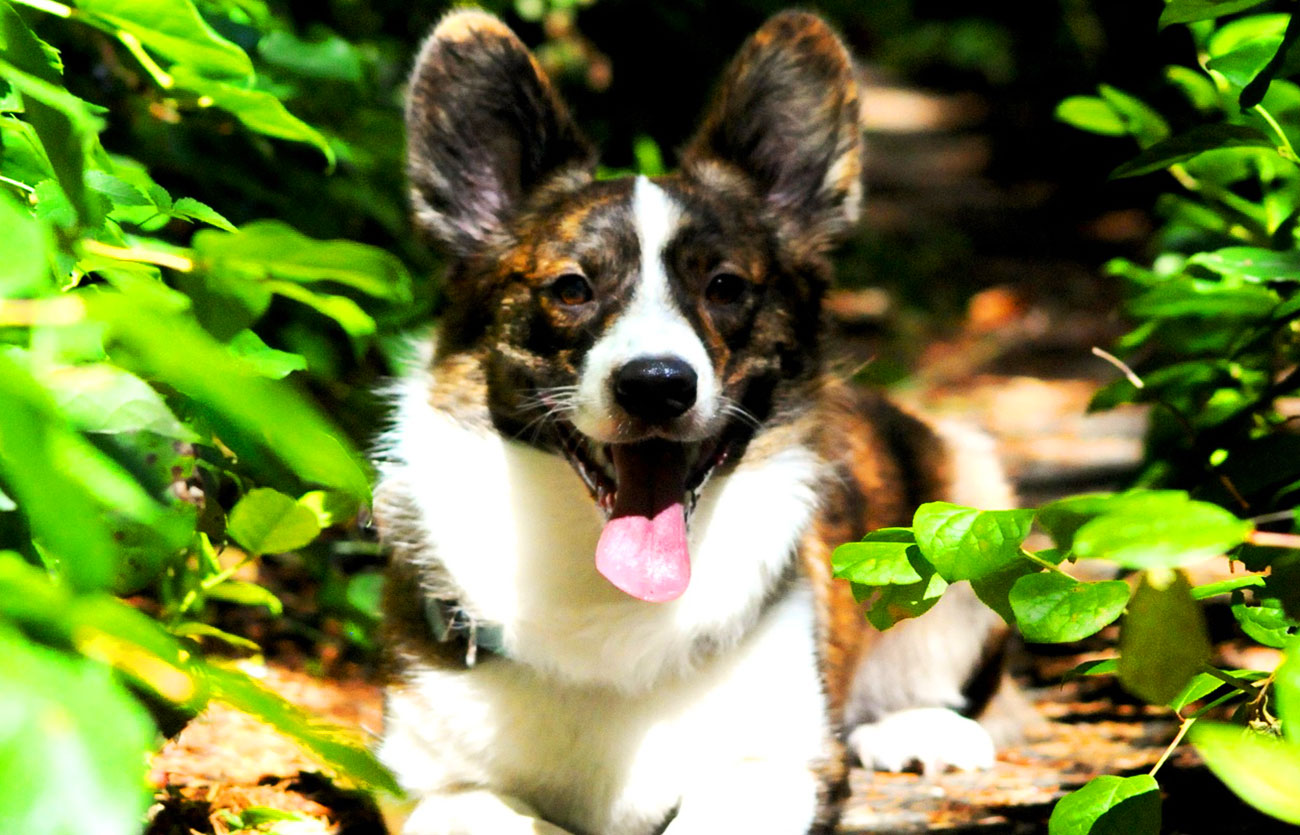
column 934, row 738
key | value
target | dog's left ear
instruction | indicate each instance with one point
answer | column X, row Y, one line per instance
column 786, row 122
column 485, row 128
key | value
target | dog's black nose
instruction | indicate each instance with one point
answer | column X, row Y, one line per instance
column 655, row 389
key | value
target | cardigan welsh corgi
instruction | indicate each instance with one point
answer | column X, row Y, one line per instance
column 614, row 483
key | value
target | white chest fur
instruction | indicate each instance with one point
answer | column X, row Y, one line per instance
column 607, row 714
column 516, row 532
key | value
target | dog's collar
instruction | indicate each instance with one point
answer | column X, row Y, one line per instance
column 451, row 624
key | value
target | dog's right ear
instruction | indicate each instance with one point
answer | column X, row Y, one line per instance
column 484, row 128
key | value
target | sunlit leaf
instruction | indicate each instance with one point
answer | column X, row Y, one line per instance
column 1053, row 608
column 271, row 249
column 880, row 559
column 963, row 543
column 1261, row 770
column 24, row 250
column 334, row 746
column 174, row 30
column 267, row 522
column 1109, row 805
column 1191, row 144
column 72, row 744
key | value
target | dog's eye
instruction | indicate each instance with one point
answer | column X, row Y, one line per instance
column 571, row 290
column 725, row 288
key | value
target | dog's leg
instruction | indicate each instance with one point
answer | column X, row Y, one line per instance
column 909, row 694
column 756, row 797
column 470, row 812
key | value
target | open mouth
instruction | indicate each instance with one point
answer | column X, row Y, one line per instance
column 647, row 489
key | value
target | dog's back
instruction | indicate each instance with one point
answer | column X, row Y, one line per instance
column 613, row 488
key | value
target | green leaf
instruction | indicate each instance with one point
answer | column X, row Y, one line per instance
column 1140, row 120
column 55, row 475
column 894, row 603
column 258, row 110
column 365, row 591
column 1251, row 263
column 1163, row 640
column 104, row 398
column 194, row 629
column 1196, row 86
column 173, row 29
column 1191, row 144
column 247, row 594
column 1201, row 685
column 271, row 249
column 1189, row 11
column 24, row 252
column 266, row 521
column 1261, row 770
column 66, row 126
column 1281, row 63
column 1266, row 621
column 880, row 559
column 1205, row 299
column 1286, row 689
column 1092, row 114
column 964, row 543
column 1209, row 590
column 187, row 208
column 267, row 362
column 1053, row 608
column 1180, row 534
column 1096, row 667
column 332, row 58
column 1247, row 61
column 255, row 417
column 994, row 590
column 356, row 323
column 1109, row 805
column 329, row 507
column 73, row 744
column 334, row 746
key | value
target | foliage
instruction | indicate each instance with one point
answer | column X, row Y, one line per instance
column 1215, row 350
column 157, row 436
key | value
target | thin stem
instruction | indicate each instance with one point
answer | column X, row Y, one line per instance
column 49, row 6
column 170, row 260
column 1048, row 564
column 218, row 579
column 133, row 45
column 1178, row 737
column 1286, row 151
column 1274, row 540
column 17, row 185
column 1121, row 365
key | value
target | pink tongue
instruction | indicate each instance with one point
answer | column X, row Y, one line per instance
column 642, row 549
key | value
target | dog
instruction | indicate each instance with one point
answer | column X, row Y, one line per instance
column 613, row 485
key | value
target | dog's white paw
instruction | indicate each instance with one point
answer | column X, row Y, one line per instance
column 934, row 738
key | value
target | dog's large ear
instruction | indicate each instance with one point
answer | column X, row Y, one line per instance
column 484, row 127
column 786, row 120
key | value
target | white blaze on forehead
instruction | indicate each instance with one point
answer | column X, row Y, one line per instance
column 651, row 325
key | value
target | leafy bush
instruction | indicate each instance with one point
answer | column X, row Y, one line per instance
column 1215, row 350
column 151, row 440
